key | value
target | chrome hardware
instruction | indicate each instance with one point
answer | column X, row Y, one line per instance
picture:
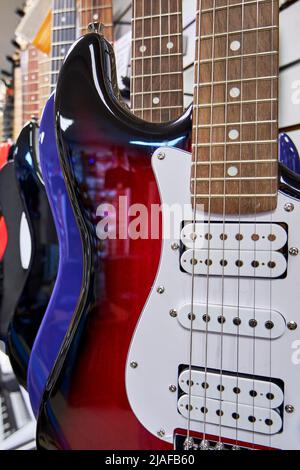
column 289, row 408
column 96, row 27
column 173, row 388
column 219, row 446
column 188, row 443
column 235, row 448
column 175, row 246
column 204, row 445
column 293, row 251
column 160, row 290
column 292, row 325
column 161, row 433
column 133, row 365
column 161, row 156
column 173, row 312
column 289, row 207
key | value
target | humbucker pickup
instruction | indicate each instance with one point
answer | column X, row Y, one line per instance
column 234, row 249
column 237, row 401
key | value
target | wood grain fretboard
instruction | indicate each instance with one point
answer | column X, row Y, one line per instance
column 30, row 80
column 96, row 10
column 44, row 80
column 63, row 34
column 156, row 64
column 235, row 122
column 18, row 106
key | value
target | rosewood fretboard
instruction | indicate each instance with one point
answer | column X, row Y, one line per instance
column 30, row 87
column 156, row 64
column 63, row 34
column 99, row 11
column 235, row 106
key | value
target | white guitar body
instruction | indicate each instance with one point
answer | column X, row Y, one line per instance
column 263, row 362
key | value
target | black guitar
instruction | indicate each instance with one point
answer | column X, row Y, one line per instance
column 30, row 302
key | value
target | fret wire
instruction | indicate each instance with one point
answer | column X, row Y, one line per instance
column 223, row 7
column 261, row 100
column 221, row 82
column 241, row 56
column 221, row 196
column 157, row 36
column 67, row 26
column 156, row 74
column 236, row 178
column 240, row 31
column 238, row 142
column 158, row 92
column 157, row 107
column 222, row 162
column 239, row 123
column 142, row 18
column 157, row 56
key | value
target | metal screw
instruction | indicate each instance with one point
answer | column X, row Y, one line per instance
column 188, row 443
column 160, row 290
column 293, row 251
column 288, row 207
column 133, row 364
column 235, row 448
column 289, row 408
column 173, row 312
column 173, row 388
column 219, row 446
column 174, row 246
column 292, row 325
column 161, row 433
column 161, row 155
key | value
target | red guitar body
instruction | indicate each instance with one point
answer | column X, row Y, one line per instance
column 105, row 153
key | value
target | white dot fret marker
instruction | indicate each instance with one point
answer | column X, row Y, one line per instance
column 63, row 19
column 32, row 98
column 234, row 92
column 232, row 171
column 143, row 49
column 233, row 134
column 170, row 45
column 63, row 50
column 33, row 77
column 155, row 100
column 235, row 45
column 96, row 16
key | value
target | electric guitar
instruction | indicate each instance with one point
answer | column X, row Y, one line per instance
column 111, row 157
column 69, row 280
column 42, row 253
column 201, row 333
column 30, row 80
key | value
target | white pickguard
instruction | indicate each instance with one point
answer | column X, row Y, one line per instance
column 160, row 343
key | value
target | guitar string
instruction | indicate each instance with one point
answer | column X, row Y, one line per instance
column 255, row 231
column 209, row 220
column 169, row 58
column 151, row 54
column 239, row 224
column 195, row 158
column 143, row 46
column 133, row 47
column 222, row 318
column 160, row 57
column 271, row 260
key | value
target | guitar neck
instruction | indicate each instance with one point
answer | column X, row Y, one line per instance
column 30, row 80
column 63, row 34
column 156, row 64
column 235, row 106
column 96, row 10
column 44, row 81
column 18, row 106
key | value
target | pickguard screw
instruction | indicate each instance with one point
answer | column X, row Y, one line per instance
column 161, row 155
column 133, row 365
column 174, row 246
column 173, row 388
column 292, row 325
column 161, row 433
column 293, row 251
column 289, row 408
column 288, row 207
column 173, row 313
column 160, row 290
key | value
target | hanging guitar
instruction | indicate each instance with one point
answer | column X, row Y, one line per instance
column 69, row 281
column 111, row 157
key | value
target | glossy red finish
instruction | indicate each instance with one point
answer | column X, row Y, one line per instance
column 105, row 153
